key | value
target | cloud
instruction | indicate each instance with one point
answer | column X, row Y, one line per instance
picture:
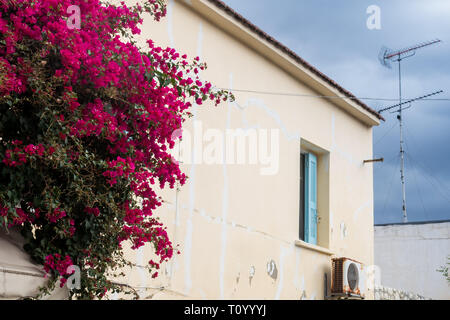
column 332, row 36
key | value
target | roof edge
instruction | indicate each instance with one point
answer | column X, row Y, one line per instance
column 266, row 37
column 412, row 223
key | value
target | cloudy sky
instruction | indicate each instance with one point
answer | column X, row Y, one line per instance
column 334, row 37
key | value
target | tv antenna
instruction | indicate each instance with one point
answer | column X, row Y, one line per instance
column 386, row 56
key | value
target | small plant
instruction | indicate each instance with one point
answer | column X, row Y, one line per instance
column 444, row 270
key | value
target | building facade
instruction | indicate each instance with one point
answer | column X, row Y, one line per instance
column 277, row 183
column 262, row 215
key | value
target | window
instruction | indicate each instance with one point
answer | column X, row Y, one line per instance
column 308, row 198
column 313, row 213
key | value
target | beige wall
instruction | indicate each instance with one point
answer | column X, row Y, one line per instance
column 229, row 220
column 237, row 229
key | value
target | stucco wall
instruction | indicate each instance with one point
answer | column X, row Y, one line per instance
column 236, row 225
column 409, row 255
column 237, row 228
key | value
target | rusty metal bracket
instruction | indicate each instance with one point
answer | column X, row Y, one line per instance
column 374, row 160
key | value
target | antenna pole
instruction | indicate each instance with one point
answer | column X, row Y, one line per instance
column 402, row 151
column 386, row 55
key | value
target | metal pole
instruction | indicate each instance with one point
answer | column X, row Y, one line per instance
column 387, row 55
column 402, row 151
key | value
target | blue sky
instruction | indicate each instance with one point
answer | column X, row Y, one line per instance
column 333, row 36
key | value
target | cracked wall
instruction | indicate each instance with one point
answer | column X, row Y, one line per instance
column 237, row 228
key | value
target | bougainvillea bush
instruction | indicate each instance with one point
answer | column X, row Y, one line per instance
column 86, row 124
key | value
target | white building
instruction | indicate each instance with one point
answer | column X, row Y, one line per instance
column 409, row 255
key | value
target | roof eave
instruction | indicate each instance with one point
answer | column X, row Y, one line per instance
column 229, row 21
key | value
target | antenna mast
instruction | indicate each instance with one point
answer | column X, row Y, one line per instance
column 386, row 56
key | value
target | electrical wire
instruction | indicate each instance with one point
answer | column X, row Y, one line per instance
column 425, row 211
column 432, row 183
column 436, row 184
column 380, row 139
column 324, row 97
column 391, row 183
column 387, row 132
column 425, row 168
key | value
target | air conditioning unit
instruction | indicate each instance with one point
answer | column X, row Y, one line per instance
column 347, row 278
